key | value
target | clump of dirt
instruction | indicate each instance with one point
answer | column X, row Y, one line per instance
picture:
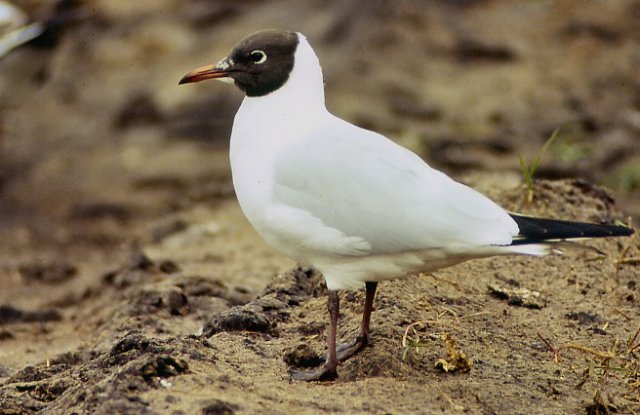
column 264, row 313
column 51, row 273
column 521, row 297
column 9, row 314
column 106, row 381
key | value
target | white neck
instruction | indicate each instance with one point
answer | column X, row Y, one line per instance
column 303, row 91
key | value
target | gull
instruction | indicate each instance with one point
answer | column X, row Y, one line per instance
column 348, row 201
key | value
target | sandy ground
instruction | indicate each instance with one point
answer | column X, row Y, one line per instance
column 131, row 283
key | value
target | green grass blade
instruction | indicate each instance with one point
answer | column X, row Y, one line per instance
column 536, row 162
column 526, row 174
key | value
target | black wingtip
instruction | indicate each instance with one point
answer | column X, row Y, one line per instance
column 625, row 230
column 541, row 229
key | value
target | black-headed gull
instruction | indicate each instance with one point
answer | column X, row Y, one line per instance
column 348, row 201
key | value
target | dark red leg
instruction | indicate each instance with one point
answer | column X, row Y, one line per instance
column 345, row 351
column 329, row 369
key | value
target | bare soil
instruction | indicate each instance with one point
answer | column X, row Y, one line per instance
column 131, row 283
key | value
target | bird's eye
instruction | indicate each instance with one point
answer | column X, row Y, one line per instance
column 258, row 56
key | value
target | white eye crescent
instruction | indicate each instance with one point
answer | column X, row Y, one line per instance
column 258, row 57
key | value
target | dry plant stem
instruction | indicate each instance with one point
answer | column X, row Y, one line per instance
column 604, row 355
column 626, row 317
column 631, row 342
column 412, row 327
column 447, row 310
column 556, row 353
column 406, row 343
column 630, row 261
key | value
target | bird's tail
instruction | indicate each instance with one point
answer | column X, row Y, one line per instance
column 539, row 230
column 538, row 249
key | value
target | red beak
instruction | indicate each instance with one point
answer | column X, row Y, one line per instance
column 204, row 73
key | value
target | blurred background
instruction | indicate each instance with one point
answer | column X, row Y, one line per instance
column 101, row 151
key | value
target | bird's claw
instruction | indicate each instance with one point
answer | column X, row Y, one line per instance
column 323, row 373
column 345, row 351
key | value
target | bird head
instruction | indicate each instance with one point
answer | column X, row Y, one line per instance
column 258, row 65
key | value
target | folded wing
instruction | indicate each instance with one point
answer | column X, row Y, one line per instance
column 367, row 187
